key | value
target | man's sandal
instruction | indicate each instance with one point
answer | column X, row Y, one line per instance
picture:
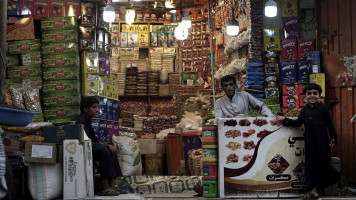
column 108, row 192
column 309, row 196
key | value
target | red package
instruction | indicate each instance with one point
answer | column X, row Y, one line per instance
column 55, row 8
column 305, row 45
column 41, row 9
column 302, row 100
column 290, row 102
column 289, row 50
column 72, row 8
column 300, row 88
column 290, row 89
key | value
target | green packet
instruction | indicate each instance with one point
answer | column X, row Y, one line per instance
column 32, row 81
column 62, row 99
column 63, row 73
column 60, row 119
column 22, row 46
column 61, row 112
column 60, row 36
column 54, row 48
column 67, row 86
column 12, row 60
column 60, row 60
column 271, row 101
column 31, row 58
column 56, row 23
column 24, row 71
column 37, row 118
column 12, row 81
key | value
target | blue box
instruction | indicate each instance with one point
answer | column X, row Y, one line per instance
column 303, row 71
column 56, row 134
column 103, row 132
column 109, row 103
column 103, row 108
column 115, row 110
column 288, row 72
column 314, row 57
column 13, row 7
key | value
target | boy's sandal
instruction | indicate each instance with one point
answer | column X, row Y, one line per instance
column 121, row 191
column 309, row 196
column 108, row 192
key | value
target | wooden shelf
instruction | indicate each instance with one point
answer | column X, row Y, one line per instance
column 144, row 96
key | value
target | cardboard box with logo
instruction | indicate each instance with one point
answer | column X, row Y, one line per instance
column 56, row 134
column 40, row 152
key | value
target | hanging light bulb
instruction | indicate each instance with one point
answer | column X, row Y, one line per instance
column 173, row 11
column 181, row 33
column 109, row 13
column 130, row 16
column 271, row 8
column 186, row 22
column 232, row 26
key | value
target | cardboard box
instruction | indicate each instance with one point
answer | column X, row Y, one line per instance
column 271, row 40
column 90, row 85
column 320, row 80
column 18, row 47
column 88, row 13
column 288, row 72
column 74, row 177
column 300, row 88
column 289, row 50
column 314, row 57
column 88, row 161
column 302, row 100
column 109, row 107
column 110, row 131
column 90, row 62
column 291, row 101
column 13, row 7
column 102, row 64
column 40, row 152
column 151, row 146
column 291, row 27
column 56, row 134
column 27, row 7
column 72, row 8
column 102, row 86
column 55, row 8
column 115, row 110
column 41, row 9
column 103, row 108
column 12, row 141
column 20, row 28
column 290, row 89
column 103, row 131
column 303, row 71
column 305, row 46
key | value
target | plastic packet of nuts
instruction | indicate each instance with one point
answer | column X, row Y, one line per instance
column 17, row 96
column 32, row 99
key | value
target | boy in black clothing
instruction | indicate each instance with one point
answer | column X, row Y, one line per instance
column 319, row 173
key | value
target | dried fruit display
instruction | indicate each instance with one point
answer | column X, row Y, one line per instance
column 232, row 158
column 232, row 133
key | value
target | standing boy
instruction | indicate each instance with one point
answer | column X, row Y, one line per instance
column 316, row 118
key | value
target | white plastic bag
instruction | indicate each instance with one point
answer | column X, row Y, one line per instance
column 129, row 156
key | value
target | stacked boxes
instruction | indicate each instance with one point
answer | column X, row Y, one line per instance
column 210, row 164
column 60, row 68
column 255, row 79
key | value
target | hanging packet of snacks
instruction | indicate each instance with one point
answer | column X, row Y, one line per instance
column 17, row 97
column 32, row 99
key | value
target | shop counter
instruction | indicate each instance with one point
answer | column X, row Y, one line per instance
column 259, row 157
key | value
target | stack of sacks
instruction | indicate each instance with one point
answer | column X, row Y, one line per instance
column 168, row 57
column 255, row 79
column 138, row 125
column 127, row 119
column 156, row 58
column 142, row 83
column 174, row 81
column 121, row 78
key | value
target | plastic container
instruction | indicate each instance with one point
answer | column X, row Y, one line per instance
column 209, row 151
column 14, row 117
column 210, row 188
column 174, row 149
column 209, row 132
column 210, row 170
column 154, row 164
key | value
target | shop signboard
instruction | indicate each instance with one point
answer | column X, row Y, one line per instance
column 260, row 158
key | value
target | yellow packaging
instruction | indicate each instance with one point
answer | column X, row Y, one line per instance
column 90, row 85
column 271, row 39
column 143, row 29
column 90, row 62
column 109, row 87
column 115, row 89
column 320, row 80
column 143, row 39
column 289, row 8
column 130, row 28
column 102, row 86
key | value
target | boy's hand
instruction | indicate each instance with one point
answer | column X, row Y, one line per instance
column 332, row 144
column 280, row 118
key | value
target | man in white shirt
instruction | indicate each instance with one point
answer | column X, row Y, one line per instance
column 235, row 103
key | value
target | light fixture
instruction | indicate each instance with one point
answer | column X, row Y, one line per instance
column 168, row 4
column 271, row 8
column 173, row 11
column 186, row 22
column 232, row 26
column 109, row 13
column 130, row 16
column 181, row 33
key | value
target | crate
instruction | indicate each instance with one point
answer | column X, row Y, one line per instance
column 163, row 90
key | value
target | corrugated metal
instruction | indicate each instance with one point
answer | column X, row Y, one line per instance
column 337, row 37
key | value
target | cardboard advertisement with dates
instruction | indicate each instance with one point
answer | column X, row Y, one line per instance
column 260, row 158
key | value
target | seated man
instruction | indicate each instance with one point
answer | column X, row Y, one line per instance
column 235, row 103
column 106, row 154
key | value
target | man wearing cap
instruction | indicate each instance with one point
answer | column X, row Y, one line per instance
column 104, row 153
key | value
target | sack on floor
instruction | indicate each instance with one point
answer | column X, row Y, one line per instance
column 45, row 180
column 129, row 156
